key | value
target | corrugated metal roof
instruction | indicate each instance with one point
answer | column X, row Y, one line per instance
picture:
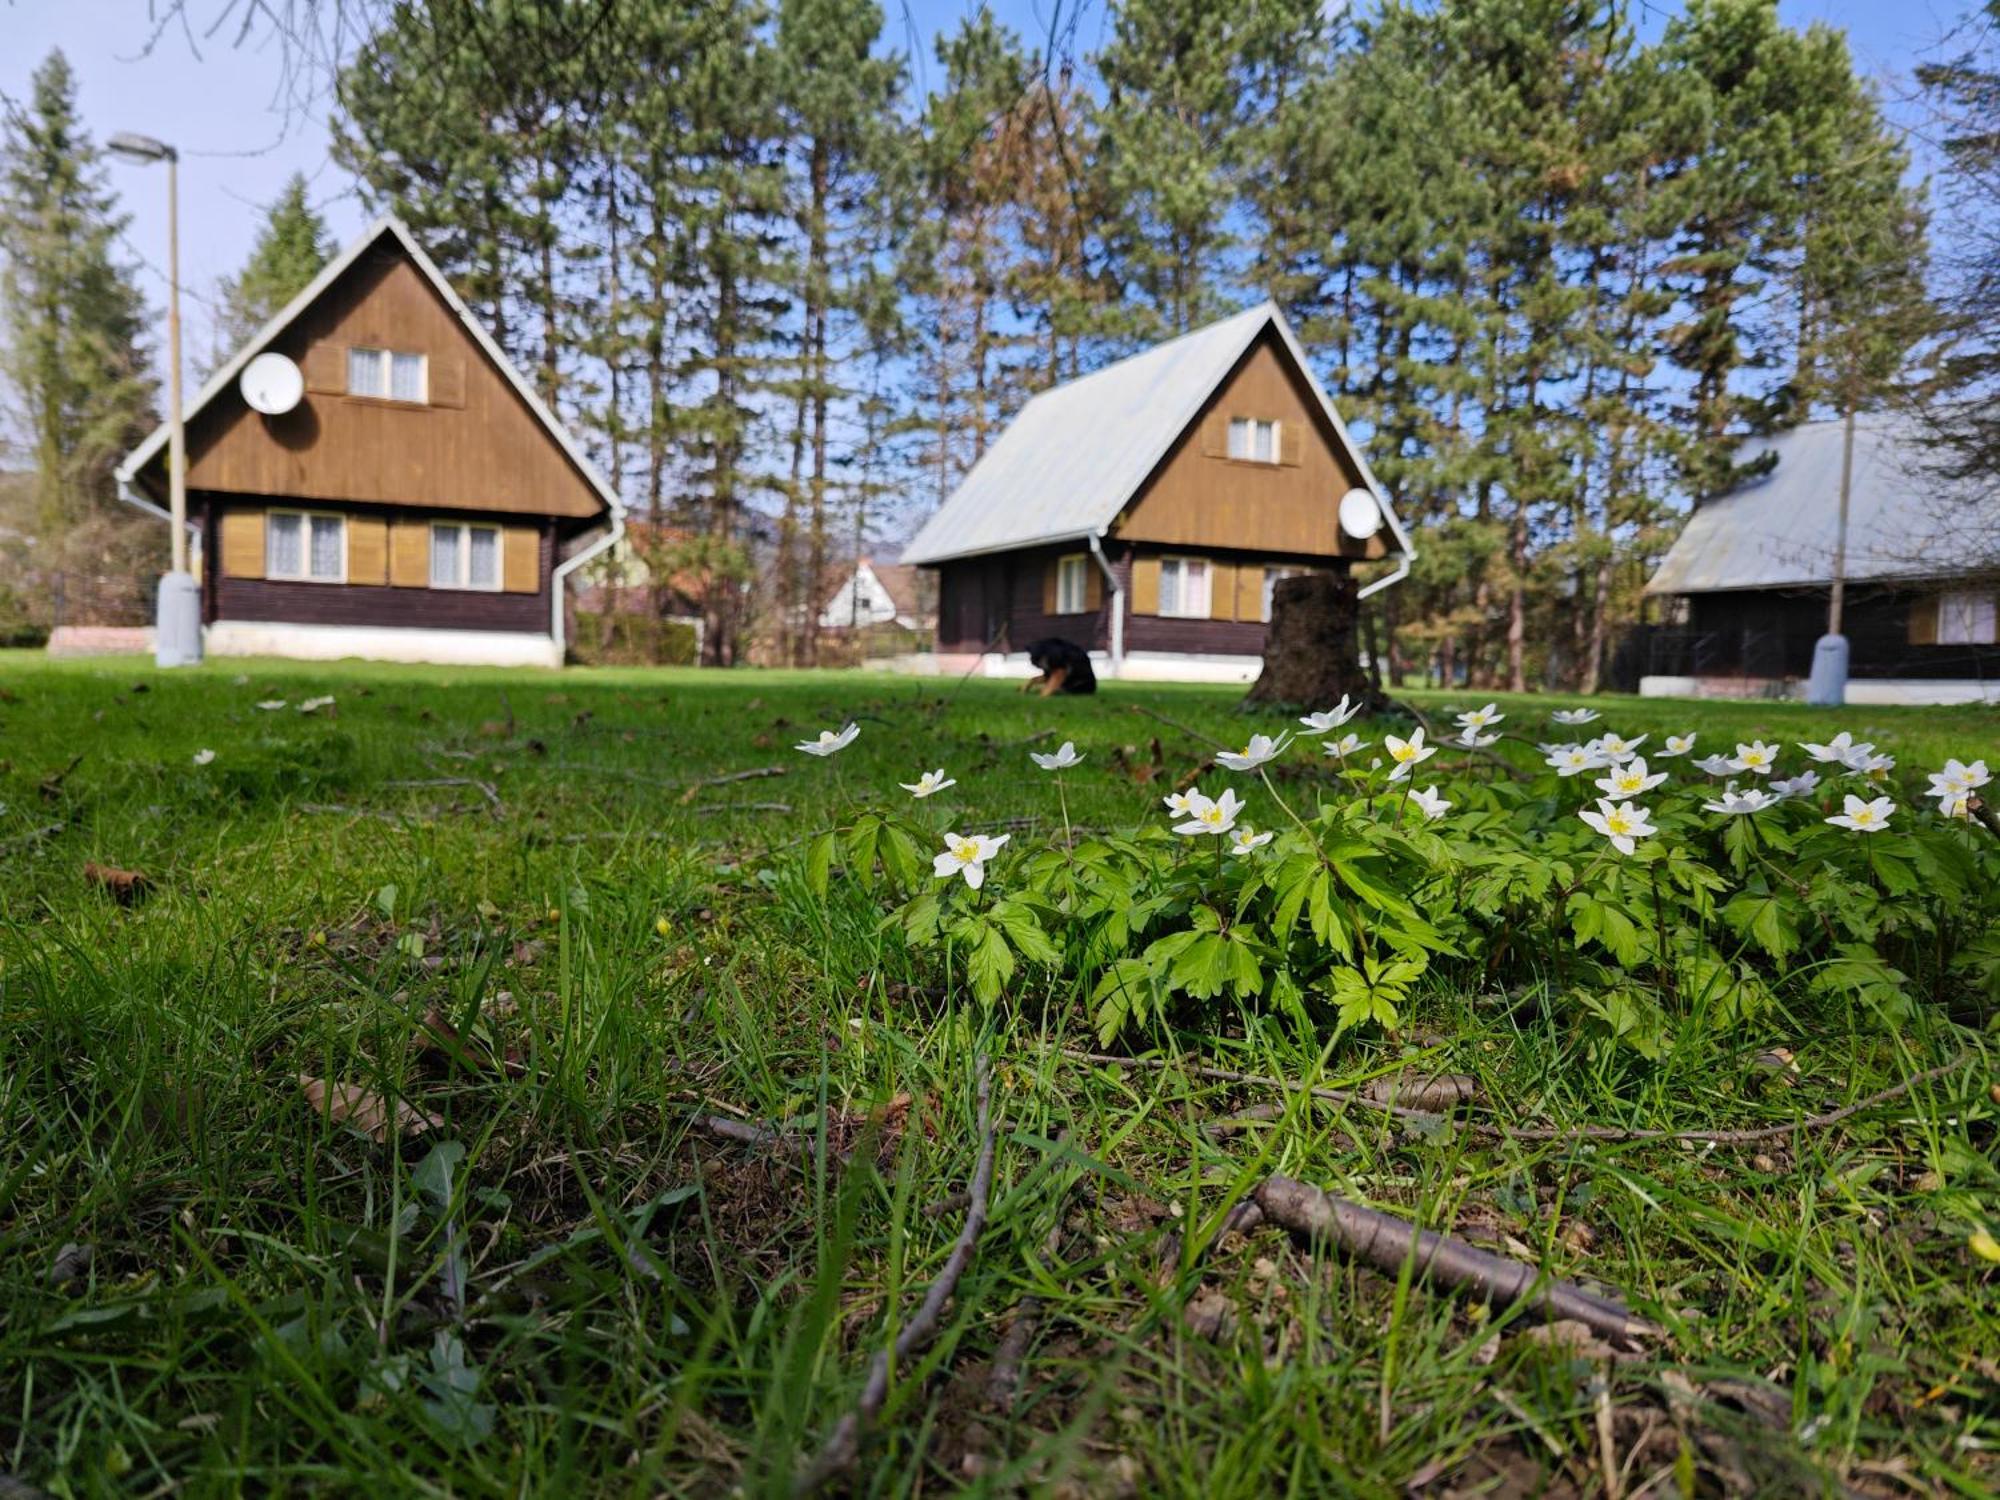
column 1068, row 464
column 1779, row 531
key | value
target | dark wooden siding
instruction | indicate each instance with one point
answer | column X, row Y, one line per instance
column 288, row 602
column 1770, row 634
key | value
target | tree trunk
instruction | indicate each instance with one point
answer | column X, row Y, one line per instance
column 1312, row 656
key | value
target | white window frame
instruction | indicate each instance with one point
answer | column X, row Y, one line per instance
column 1968, row 617
column 385, row 361
column 1186, row 608
column 465, row 530
column 305, row 519
column 1073, row 584
column 1243, row 435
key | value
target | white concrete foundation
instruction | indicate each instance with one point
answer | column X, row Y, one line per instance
column 1909, row 692
column 445, row 648
column 1140, row 666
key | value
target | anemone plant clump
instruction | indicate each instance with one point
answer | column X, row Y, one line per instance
column 1354, row 893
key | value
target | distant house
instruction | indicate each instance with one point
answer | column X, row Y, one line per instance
column 1752, row 571
column 879, row 594
column 1146, row 510
column 397, row 491
column 633, row 604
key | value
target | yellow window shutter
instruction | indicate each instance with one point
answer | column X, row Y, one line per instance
column 1291, row 443
column 521, row 559
column 1093, row 585
column 1222, row 591
column 243, row 544
column 325, row 369
column 1050, row 572
column 410, row 553
column 367, row 550
column 1924, row 621
column 1145, row 585
column 1215, row 434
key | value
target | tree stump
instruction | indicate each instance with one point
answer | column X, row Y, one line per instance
column 1312, row 654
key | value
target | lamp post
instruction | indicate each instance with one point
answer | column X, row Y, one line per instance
column 177, row 632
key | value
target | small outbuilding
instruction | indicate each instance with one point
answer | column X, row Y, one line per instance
column 369, row 476
column 1146, row 511
column 1751, row 573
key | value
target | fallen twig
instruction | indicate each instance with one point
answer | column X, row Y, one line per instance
column 1387, row 1242
column 750, row 1133
column 1231, row 1075
column 844, row 1444
column 341, row 810
column 485, row 788
column 694, row 787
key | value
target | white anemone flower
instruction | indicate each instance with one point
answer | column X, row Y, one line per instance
column 1243, row 840
column 1206, row 814
column 1261, row 748
column 1677, row 744
column 272, row 705
column 1332, row 718
column 1717, row 765
column 1481, row 718
column 1575, row 715
column 1863, row 817
column 928, row 784
column 1430, row 804
column 1062, row 760
column 1959, row 778
column 1875, row 767
column 314, row 705
column 1954, row 804
column 1407, row 754
column 966, row 854
column 1620, row 822
column 1630, row 779
column 1755, row 757
column 1733, row 803
column 1836, row 751
column 1802, row 785
column 1617, row 749
column 1178, row 803
column 1573, row 760
column 1346, row 745
column 829, row 742
column 1472, row 739
column 203, row 757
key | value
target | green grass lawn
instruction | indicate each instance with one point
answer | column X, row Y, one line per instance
column 518, row 905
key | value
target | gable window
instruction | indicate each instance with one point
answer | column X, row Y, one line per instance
column 388, row 375
column 1253, row 441
column 464, row 556
column 305, row 546
column 1965, row 618
column 1072, row 585
column 1184, row 584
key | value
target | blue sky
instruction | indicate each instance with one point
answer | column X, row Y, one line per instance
column 241, row 135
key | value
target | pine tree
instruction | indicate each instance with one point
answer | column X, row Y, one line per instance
column 289, row 251
column 74, row 319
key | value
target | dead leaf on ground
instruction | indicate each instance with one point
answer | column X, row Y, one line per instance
column 125, row 885
column 496, row 729
column 1439, row 1091
column 1209, row 1314
column 72, row 1263
column 1569, row 1337
column 365, row 1111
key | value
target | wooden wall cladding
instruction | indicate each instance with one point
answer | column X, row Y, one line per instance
column 243, row 544
column 474, row 445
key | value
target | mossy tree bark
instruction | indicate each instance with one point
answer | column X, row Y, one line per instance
column 1312, row 654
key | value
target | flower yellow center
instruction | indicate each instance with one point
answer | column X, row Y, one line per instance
column 1864, row 815
column 1211, row 814
column 1618, row 822
column 965, row 852
column 1404, row 752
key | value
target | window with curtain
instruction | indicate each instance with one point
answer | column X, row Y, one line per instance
column 1184, row 587
column 388, row 375
column 1967, row 619
column 1072, row 585
column 305, row 546
column 1253, row 441
column 464, row 556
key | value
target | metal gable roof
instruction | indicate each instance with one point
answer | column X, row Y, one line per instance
column 1077, row 453
column 388, row 224
column 1779, row 531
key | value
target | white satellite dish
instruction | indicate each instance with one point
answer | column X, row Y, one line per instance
column 1360, row 516
column 272, row 384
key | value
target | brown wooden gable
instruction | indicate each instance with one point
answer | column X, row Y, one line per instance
column 1199, row 498
column 473, row 445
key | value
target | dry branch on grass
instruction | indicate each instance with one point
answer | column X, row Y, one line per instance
column 694, row 788
column 485, row 789
column 1387, row 1243
column 1231, row 1075
column 844, row 1444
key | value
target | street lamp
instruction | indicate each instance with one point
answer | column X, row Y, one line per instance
column 177, row 621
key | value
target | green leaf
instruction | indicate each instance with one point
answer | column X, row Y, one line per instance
column 819, row 864
column 988, row 960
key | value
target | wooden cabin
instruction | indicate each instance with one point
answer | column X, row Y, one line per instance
column 411, row 499
column 1748, row 580
column 1144, row 512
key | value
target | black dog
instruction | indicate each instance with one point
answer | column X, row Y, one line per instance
column 1064, row 665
